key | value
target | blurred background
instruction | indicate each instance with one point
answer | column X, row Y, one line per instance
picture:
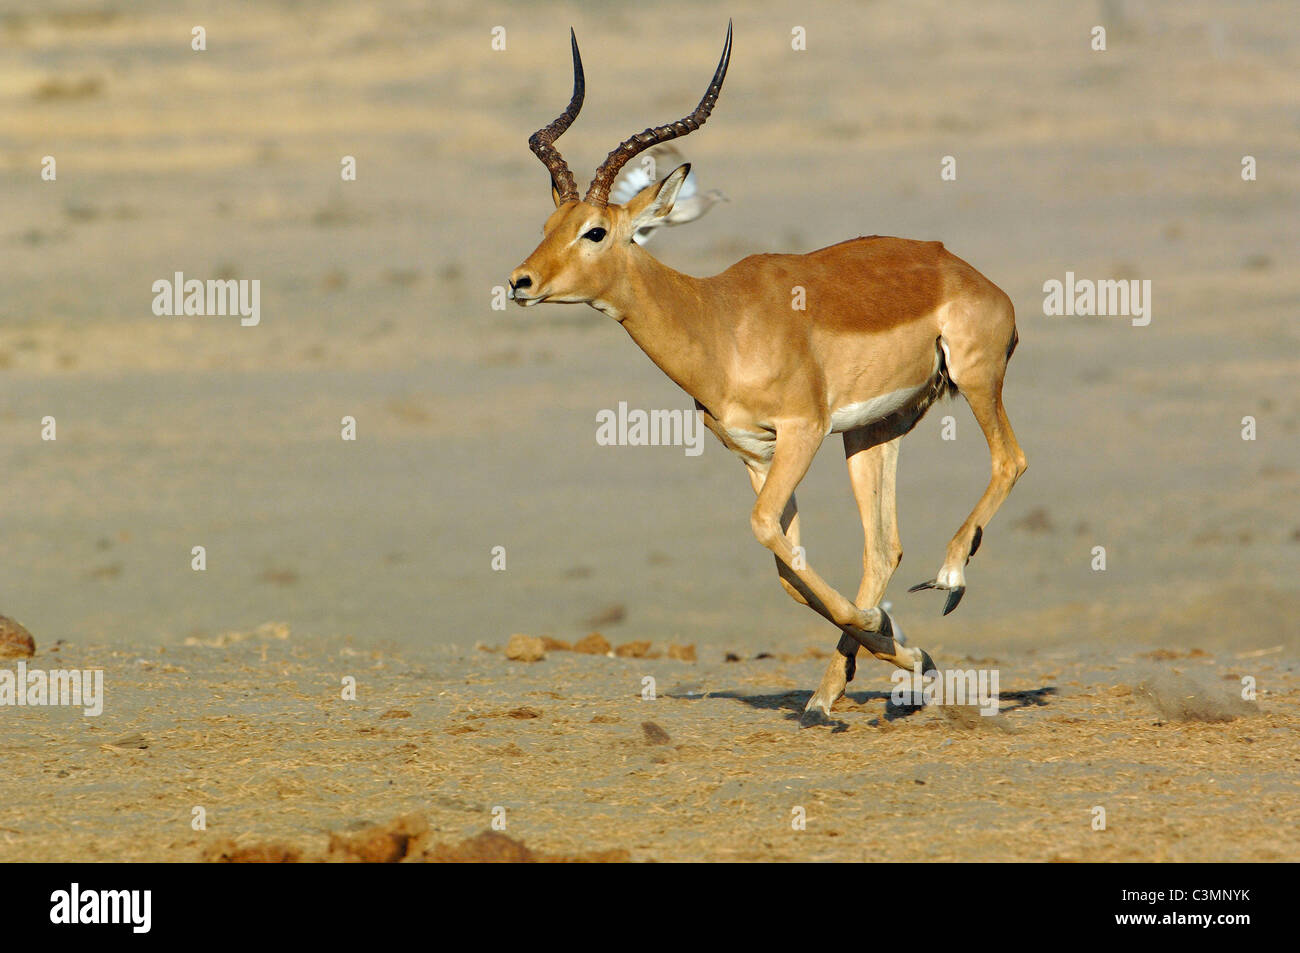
column 476, row 427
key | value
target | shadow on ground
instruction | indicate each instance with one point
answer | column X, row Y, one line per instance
column 792, row 703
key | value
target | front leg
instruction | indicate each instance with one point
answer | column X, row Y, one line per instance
column 796, row 445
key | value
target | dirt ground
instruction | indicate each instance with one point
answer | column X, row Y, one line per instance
column 573, row 759
column 374, row 559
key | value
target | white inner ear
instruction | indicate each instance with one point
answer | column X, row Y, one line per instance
column 663, row 202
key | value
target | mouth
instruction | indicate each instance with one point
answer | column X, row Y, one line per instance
column 525, row 300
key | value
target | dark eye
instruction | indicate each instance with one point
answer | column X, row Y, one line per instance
column 594, row 235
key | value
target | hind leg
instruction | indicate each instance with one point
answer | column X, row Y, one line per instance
column 980, row 382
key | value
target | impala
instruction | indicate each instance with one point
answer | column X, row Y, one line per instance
column 888, row 327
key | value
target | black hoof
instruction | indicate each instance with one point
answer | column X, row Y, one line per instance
column 954, row 593
column 848, row 647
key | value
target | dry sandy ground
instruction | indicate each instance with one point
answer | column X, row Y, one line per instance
column 711, row 769
column 477, row 429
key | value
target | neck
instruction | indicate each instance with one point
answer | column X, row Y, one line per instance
column 665, row 312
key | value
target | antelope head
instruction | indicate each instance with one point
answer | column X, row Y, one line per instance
column 587, row 244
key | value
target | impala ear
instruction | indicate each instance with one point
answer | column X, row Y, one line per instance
column 656, row 200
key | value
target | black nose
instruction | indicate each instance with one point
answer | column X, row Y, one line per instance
column 523, row 282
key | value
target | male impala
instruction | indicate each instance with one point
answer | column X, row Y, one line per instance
column 889, row 326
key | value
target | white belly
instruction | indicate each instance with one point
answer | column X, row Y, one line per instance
column 853, row 416
column 758, row 446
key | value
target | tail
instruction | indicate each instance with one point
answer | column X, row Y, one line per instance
column 944, row 386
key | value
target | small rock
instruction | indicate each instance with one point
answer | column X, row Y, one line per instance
column 525, row 648
column 684, row 653
column 632, row 650
column 15, row 641
column 593, row 644
column 654, row 735
column 488, row 847
column 523, row 713
column 395, row 713
column 555, row 645
column 381, row 843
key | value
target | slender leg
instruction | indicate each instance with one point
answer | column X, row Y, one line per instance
column 790, row 525
column 984, row 394
column 796, row 444
column 872, row 470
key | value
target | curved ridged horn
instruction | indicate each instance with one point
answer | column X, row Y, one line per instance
column 598, row 192
column 541, row 141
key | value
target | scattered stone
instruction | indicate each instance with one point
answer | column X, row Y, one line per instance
column 382, row 843
column 395, row 713
column 15, row 641
column 683, row 653
column 524, row 712
column 525, row 648
column 490, row 847
column 406, row 839
column 1164, row 655
column 632, row 650
column 593, row 644
column 654, row 735
column 555, row 645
